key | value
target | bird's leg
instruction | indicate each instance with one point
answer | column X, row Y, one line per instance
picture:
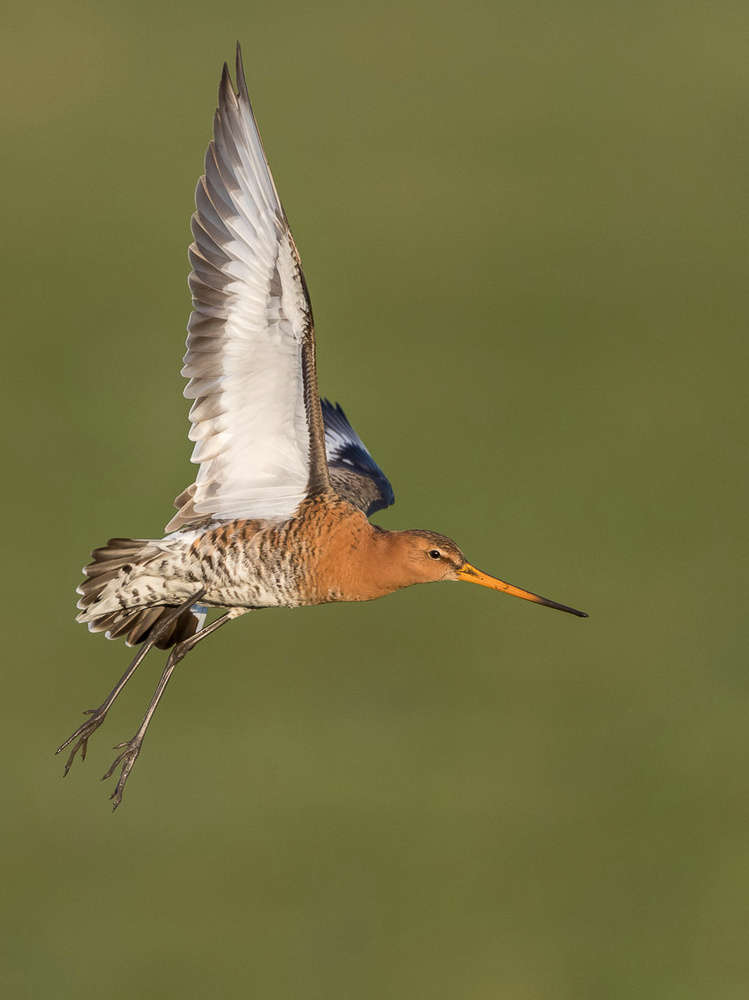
column 131, row 748
column 97, row 715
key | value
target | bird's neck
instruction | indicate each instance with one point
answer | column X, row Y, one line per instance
column 360, row 561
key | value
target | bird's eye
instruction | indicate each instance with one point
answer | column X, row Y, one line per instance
column 434, row 554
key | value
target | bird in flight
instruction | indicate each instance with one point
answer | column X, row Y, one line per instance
column 278, row 515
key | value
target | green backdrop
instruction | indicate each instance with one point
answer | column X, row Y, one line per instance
column 524, row 230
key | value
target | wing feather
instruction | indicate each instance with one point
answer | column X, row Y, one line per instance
column 256, row 419
column 354, row 474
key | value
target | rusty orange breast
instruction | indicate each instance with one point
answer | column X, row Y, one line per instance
column 354, row 560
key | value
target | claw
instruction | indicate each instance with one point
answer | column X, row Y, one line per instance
column 127, row 758
column 82, row 735
column 79, row 730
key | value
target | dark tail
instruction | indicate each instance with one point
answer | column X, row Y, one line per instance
column 108, row 579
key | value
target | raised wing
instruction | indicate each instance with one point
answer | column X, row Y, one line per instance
column 250, row 358
column 354, row 474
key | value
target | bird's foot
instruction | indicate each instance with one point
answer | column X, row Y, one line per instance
column 82, row 735
column 127, row 759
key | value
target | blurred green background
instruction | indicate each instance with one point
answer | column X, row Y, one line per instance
column 524, row 227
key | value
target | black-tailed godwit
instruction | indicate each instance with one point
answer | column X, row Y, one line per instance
column 278, row 513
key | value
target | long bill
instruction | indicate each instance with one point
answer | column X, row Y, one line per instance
column 472, row 575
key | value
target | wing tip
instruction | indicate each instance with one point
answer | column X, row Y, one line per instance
column 227, row 87
column 226, row 93
column 333, row 408
column 242, row 91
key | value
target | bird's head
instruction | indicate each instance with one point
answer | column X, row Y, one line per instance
column 426, row 557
